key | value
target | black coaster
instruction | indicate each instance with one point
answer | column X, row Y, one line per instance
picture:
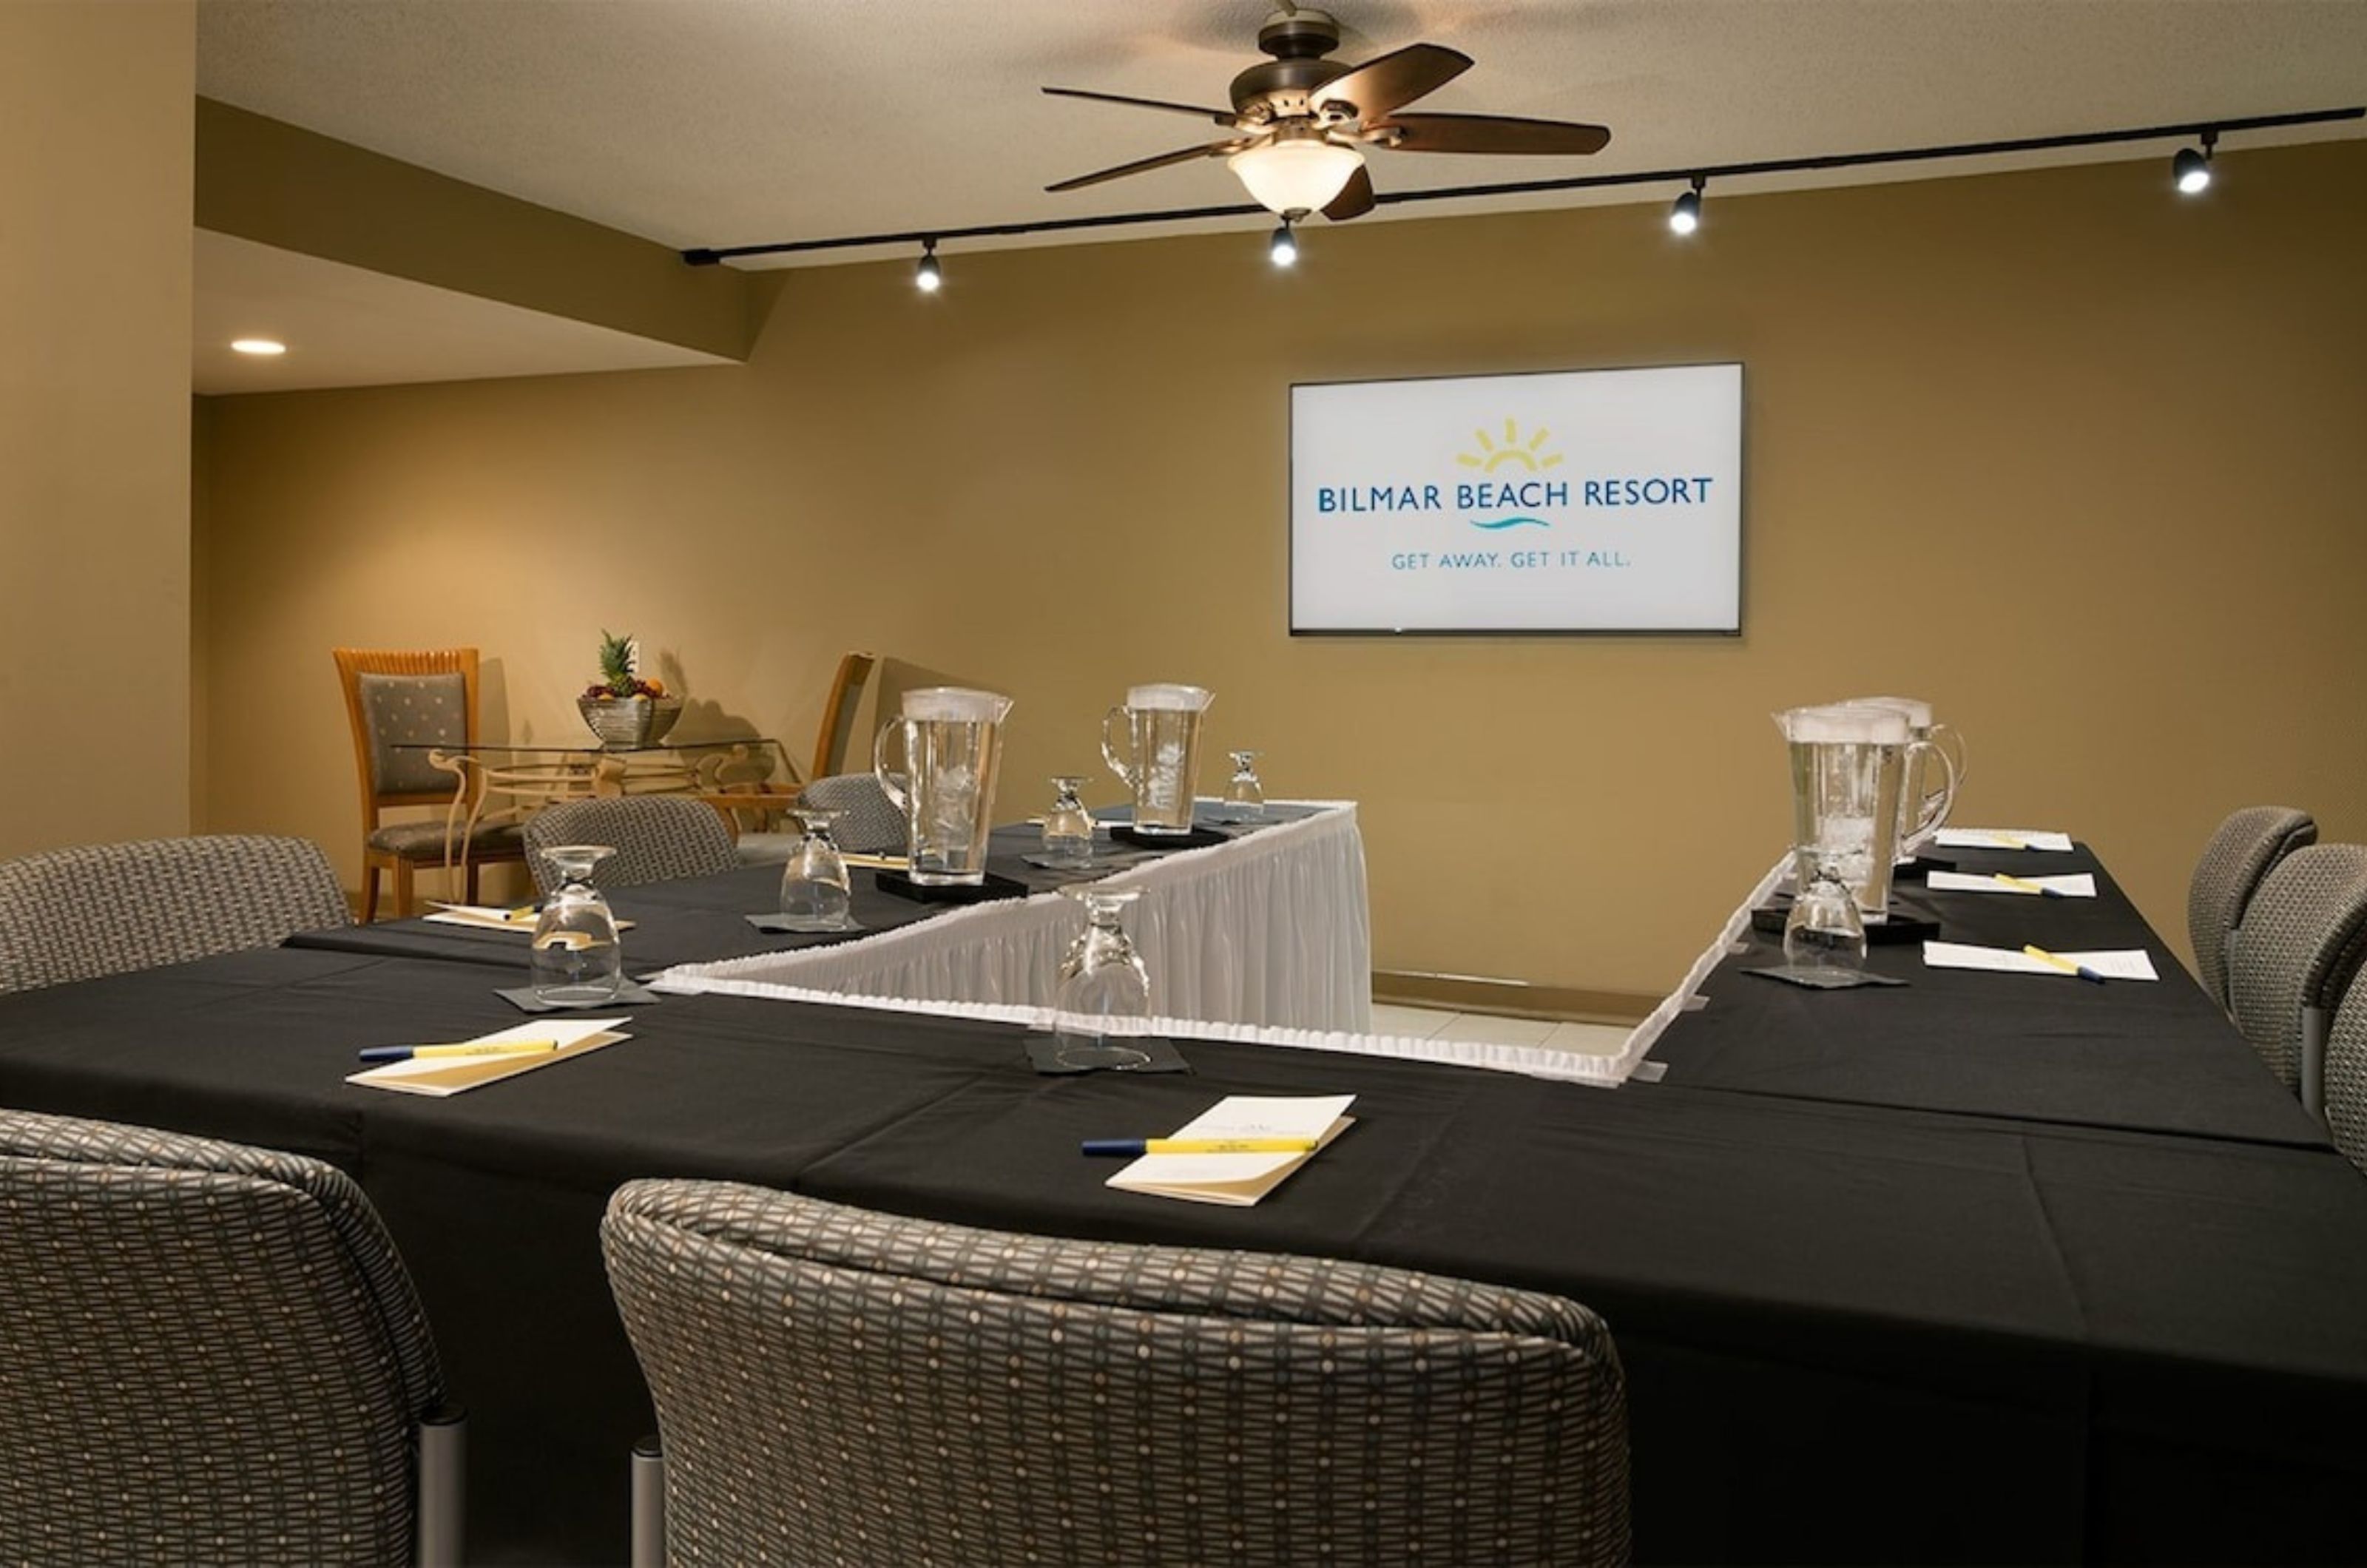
column 1825, row 978
column 632, row 993
column 1043, row 1050
column 1904, row 925
column 1197, row 838
column 1920, row 868
column 778, row 925
column 903, row 887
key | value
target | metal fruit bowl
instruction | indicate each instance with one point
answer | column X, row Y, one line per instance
column 625, row 723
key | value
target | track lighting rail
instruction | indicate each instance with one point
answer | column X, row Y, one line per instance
column 2209, row 129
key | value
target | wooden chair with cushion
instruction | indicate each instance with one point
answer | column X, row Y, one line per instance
column 836, row 1385
column 838, row 713
column 657, row 837
column 758, row 815
column 214, row 1355
column 77, row 914
column 396, row 700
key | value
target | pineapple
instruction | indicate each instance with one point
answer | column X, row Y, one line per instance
column 617, row 661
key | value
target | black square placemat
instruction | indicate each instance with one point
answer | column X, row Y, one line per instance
column 1197, row 838
column 903, row 887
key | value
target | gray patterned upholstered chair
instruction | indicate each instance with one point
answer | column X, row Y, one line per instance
column 77, row 914
column 2346, row 1074
column 869, row 821
column 213, row 1355
column 397, row 701
column 2303, row 934
column 2241, row 852
column 657, row 837
column 837, row 1385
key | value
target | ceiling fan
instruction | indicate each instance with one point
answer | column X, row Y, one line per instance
column 1300, row 121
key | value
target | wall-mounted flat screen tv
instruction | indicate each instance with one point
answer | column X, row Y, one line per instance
column 1580, row 501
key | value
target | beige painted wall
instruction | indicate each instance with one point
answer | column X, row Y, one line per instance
column 95, row 161
column 2073, row 458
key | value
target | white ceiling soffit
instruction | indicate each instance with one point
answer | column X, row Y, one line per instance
column 345, row 326
column 722, row 122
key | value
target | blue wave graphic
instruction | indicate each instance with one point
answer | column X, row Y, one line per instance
column 1510, row 522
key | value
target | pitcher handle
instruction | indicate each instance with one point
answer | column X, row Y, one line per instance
column 896, row 783
column 1930, row 815
column 1109, row 753
column 1950, row 741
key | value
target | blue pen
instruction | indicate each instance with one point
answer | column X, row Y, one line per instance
column 482, row 1048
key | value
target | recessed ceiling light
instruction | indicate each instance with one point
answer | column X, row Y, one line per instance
column 262, row 346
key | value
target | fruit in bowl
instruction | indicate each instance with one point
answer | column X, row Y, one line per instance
column 621, row 708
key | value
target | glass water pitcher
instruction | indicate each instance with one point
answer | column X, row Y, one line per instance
column 951, row 741
column 1845, row 770
column 1929, row 775
column 1152, row 744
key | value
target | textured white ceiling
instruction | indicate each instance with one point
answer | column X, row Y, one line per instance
column 727, row 121
column 347, row 327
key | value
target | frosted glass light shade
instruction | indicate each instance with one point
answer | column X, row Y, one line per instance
column 1295, row 173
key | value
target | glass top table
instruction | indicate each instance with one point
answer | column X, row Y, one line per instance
column 504, row 778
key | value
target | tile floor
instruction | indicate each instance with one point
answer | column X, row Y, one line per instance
column 1428, row 1023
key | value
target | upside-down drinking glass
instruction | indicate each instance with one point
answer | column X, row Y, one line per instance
column 1245, row 795
column 1104, row 986
column 575, row 959
column 814, row 892
column 1068, row 826
column 1824, row 931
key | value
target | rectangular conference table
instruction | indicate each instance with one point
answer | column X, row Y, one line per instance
column 2153, row 1056
column 1270, row 927
column 1853, row 1331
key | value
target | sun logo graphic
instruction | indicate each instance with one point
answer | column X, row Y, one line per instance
column 1530, row 454
column 1513, row 502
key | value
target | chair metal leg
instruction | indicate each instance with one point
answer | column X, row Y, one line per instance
column 649, row 1504
column 443, row 1486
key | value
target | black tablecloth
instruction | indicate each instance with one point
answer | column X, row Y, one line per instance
column 1850, row 1333
column 699, row 920
column 2146, row 1055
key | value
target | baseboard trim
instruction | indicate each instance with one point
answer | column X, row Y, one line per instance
column 1510, row 999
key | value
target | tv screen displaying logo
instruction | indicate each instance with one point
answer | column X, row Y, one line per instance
column 1583, row 500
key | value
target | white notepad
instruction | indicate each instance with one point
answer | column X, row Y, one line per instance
column 1240, row 1179
column 2073, row 885
column 485, row 918
column 441, row 1075
column 2112, row 964
column 2002, row 838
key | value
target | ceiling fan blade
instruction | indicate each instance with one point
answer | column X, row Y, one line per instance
column 1355, row 197
column 1400, row 77
column 1217, row 117
column 1144, row 165
column 1489, row 134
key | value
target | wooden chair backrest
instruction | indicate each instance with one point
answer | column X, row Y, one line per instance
column 838, row 713
column 353, row 664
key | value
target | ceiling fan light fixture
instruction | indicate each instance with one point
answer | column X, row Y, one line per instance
column 1295, row 173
